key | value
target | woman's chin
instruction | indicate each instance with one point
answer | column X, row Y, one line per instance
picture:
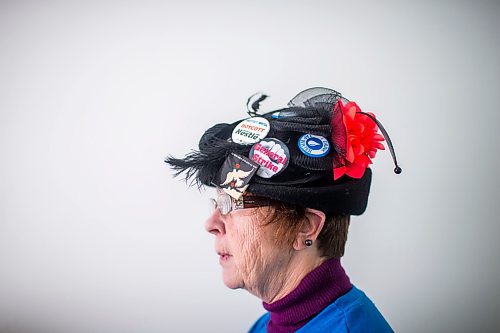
column 230, row 279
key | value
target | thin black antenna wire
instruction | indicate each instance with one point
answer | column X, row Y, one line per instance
column 397, row 169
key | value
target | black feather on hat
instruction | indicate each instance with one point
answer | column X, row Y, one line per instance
column 337, row 181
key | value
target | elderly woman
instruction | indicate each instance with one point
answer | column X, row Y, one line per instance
column 286, row 184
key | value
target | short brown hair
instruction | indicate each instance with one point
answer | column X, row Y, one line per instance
column 287, row 220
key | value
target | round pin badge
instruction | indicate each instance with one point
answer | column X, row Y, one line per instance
column 313, row 145
column 250, row 130
column 272, row 155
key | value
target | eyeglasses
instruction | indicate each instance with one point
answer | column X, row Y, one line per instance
column 225, row 203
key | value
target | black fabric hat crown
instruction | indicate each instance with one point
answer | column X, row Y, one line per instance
column 306, row 181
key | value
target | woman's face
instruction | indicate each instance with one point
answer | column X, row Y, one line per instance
column 250, row 256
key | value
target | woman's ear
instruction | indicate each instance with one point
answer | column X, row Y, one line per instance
column 312, row 226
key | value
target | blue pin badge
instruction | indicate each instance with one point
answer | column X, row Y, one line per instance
column 313, row 145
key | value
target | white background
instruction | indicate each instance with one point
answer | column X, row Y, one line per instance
column 96, row 235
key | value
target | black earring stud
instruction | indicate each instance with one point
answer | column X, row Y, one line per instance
column 308, row 242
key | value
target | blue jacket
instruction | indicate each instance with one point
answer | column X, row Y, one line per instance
column 352, row 312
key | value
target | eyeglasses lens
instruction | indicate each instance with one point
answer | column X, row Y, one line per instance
column 212, row 204
column 223, row 203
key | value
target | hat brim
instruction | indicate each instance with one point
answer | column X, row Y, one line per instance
column 347, row 198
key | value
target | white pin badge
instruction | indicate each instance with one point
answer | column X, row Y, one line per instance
column 272, row 155
column 313, row 145
column 250, row 130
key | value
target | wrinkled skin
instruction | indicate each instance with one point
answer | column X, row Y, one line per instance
column 253, row 257
column 256, row 261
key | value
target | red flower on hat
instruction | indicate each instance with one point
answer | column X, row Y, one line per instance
column 362, row 141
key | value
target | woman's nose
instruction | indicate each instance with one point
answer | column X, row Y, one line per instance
column 215, row 224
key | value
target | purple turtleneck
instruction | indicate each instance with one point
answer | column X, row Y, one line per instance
column 316, row 291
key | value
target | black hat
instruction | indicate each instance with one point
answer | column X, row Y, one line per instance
column 314, row 153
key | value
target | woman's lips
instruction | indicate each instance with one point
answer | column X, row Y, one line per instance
column 224, row 257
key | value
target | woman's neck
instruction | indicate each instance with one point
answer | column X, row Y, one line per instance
column 285, row 281
column 319, row 288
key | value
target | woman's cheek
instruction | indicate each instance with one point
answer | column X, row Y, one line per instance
column 252, row 246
